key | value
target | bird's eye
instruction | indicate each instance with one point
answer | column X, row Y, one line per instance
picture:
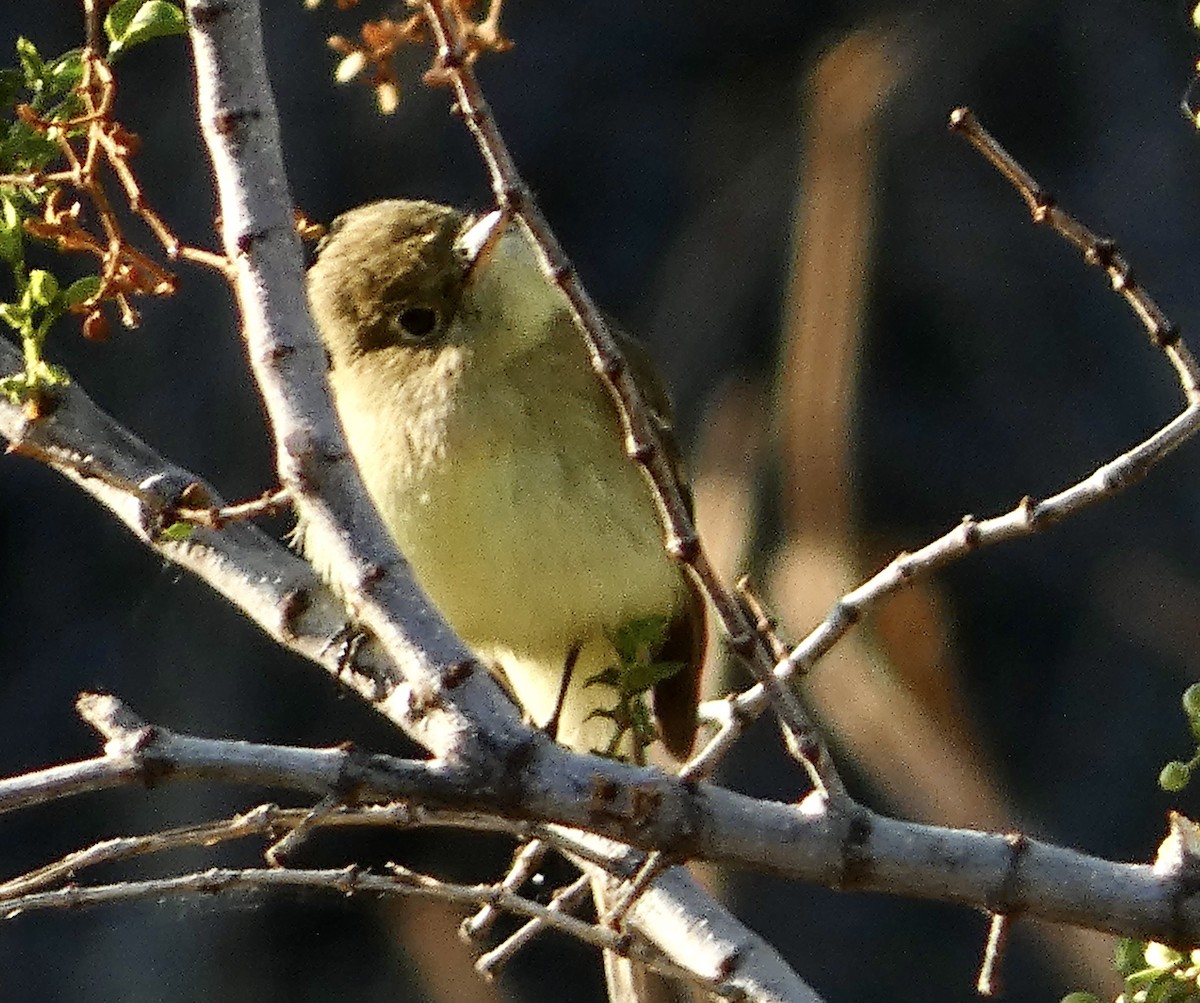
column 417, row 322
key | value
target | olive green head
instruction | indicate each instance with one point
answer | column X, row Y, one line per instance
column 388, row 274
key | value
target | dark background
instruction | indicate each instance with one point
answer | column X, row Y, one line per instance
column 665, row 143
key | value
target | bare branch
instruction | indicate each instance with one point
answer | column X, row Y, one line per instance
column 998, row 872
column 642, row 441
column 1029, row 516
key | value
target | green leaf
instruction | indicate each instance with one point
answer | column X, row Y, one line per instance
column 11, row 82
column 10, row 216
column 81, row 290
column 26, row 150
column 131, row 22
column 20, row 386
column 639, row 640
column 43, row 287
column 1167, row 990
column 14, row 316
column 12, row 387
column 1191, row 700
column 1129, row 956
column 639, row 677
column 608, row 677
column 1079, row 998
column 66, row 72
column 11, row 232
column 50, row 375
column 177, row 532
column 1162, row 957
column 31, row 63
column 1174, row 776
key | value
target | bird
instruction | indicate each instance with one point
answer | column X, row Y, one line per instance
column 495, row 458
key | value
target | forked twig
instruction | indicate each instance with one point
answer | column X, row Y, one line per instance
column 1030, row 515
column 566, row 899
column 526, row 860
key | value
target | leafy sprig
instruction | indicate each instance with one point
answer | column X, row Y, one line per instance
column 56, row 130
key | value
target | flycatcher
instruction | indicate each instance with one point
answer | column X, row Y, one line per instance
column 495, row 458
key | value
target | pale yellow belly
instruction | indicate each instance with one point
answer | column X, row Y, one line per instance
column 529, row 550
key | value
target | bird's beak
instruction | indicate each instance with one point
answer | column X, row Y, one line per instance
column 478, row 240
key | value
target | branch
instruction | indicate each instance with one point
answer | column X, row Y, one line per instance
column 413, row 669
column 643, row 443
column 443, row 697
column 1005, row 873
column 448, row 700
column 1028, row 516
column 281, row 593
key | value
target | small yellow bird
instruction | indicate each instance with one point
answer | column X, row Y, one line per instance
column 495, row 458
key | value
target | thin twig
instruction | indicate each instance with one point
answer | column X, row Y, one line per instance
column 268, row 503
column 566, row 899
column 262, row 820
column 1029, row 515
column 988, row 983
column 278, row 852
column 655, row 863
column 642, row 441
column 526, row 860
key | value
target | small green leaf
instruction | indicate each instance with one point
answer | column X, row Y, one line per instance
column 10, row 217
column 609, row 677
column 20, row 386
column 12, row 387
column 43, row 287
column 14, row 316
column 11, row 232
column 31, row 63
column 1191, row 700
column 1162, row 957
column 50, row 375
column 131, row 22
column 27, row 150
column 66, row 72
column 1175, row 776
column 81, row 290
column 11, row 82
column 1129, row 955
column 640, row 639
column 638, row 677
column 177, row 532
column 1079, row 998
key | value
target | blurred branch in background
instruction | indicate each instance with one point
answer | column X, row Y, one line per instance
column 893, row 698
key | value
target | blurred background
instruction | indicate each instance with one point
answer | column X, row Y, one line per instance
column 866, row 339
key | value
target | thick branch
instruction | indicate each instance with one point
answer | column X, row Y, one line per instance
column 241, row 129
column 997, row 872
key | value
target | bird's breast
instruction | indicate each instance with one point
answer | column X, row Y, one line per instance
column 512, row 498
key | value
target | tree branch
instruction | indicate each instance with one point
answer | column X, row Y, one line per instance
column 997, row 872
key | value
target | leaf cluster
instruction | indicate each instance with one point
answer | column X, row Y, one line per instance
column 44, row 107
column 1177, row 774
column 637, row 643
